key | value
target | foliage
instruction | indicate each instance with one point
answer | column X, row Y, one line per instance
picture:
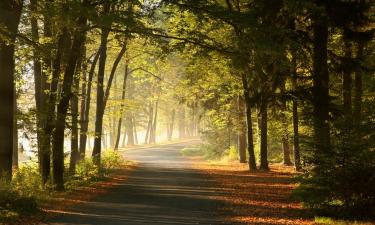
column 112, row 160
column 347, row 169
column 19, row 197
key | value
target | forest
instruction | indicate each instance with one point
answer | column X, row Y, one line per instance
column 260, row 83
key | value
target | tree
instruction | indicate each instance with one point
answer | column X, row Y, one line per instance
column 10, row 13
column 66, row 94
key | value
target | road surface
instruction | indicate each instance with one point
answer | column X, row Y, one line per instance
column 163, row 190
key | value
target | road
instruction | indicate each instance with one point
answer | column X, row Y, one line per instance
column 163, row 190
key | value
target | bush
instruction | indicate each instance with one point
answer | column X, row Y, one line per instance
column 230, row 154
column 17, row 198
column 87, row 171
column 192, row 151
column 111, row 160
column 342, row 179
column 27, row 181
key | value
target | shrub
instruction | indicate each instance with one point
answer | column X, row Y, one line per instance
column 230, row 154
column 111, row 160
column 342, row 179
column 26, row 180
column 192, row 151
column 17, row 197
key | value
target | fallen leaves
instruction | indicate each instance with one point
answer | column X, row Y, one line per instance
column 258, row 198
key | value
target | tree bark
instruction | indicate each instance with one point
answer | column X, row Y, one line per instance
column 10, row 13
column 263, row 134
column 62, row 107
column 129, row 130
column 15, row 133
column 40, row 96
column 85, row 108
column 123, row 142
column 347, row 84
column 96, row 153
column 119, row 124
column 296, row 149
column 135, row 130
column 153, row 130
column 181, row 123
column 49, row 123
column 242, row 132
column 285, row 137
column 358, row 92
column 321, row 87
column 250, row 142
column 74, row 154
column 149, row 125
column 171, row 125
column 103, row 103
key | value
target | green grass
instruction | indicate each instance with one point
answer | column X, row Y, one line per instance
column 211, row 154
column 192, row 151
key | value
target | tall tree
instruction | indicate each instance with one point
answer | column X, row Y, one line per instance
column 75, row 52
column 321, row 98
column 119, row 124
column 10, row 13
column 85, row 107
column 100, row 88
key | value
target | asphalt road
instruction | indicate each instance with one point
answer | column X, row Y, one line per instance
column 163, row 190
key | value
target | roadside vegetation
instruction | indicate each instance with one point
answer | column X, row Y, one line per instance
column 24, row 197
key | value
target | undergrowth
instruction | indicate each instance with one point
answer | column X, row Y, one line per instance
column 210, row 153
column 23, row 195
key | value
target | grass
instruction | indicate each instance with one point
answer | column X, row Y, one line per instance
column 192, row 151
column 210, row 154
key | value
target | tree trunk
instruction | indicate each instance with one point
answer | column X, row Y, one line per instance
column 129, row 130
column 96, row 153
column 242, row 132
column 15, row 133
column 85, row 108
column 170, row 125
column 263, row 134
column 10, row 12
column 347, row 84
column 119, row 125
column 149, row 125
column 296, row 149
column 153, row 130
column 112, row 130
column 40, row 96
column 321, row 87
column 83, row 100
column 357, row 109
column 135, row 130
column 285, row 137
column 49, row 123
column 74, row 154
column 250, row 142
column 181, row 123
column 104, row 96
column 123, row 143
column 62, row 107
